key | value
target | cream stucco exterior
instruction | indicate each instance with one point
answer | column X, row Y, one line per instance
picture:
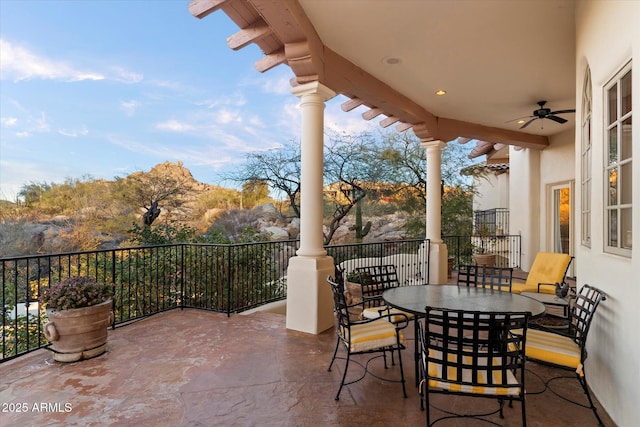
column 607, row 38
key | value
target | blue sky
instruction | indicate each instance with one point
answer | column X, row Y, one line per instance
column 106, row 88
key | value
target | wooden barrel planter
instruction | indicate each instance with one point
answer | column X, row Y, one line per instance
column 488, row 260
column 79, row 333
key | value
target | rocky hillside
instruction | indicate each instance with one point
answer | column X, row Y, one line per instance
column 198, row 205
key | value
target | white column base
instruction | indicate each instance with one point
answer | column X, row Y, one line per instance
column 438, row 255
column 309, row 299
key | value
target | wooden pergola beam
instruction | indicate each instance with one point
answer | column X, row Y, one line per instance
column 202, row 8
column 251, row 34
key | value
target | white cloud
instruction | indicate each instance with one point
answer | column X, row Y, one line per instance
column 19, row 63
column 233, row 100
column 74, row 133
column 124, row 76
column 279, row 86
column 174, row 126
column 225, row 116
column 9, row 121
column 129, row 107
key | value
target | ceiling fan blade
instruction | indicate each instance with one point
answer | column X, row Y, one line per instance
column 528, row 123
column 519, row 118
column 556, row 119
column 562, row 111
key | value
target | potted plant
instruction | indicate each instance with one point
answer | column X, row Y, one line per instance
column 80, row 311
column 484, row 240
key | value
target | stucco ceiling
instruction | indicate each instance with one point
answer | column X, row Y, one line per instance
column 494, row 58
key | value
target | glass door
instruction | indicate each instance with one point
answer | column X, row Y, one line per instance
column 562, row 219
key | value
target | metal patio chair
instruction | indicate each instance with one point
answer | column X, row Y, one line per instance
column 369, row 336
column 472, row 353
column 568, row 352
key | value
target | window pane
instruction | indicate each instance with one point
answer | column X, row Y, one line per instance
column 626, row 228
column 613, row 145
column 613, row 103
column 625, row 184
column 625, row 93
column 613, row 187
column 625, row 146
column 613, row 228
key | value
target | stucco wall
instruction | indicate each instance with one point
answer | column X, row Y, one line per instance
column 607, row 38
column 524, row 201
column 492, row 191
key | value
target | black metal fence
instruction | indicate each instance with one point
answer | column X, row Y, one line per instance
column 147, row 280
column 153, row 279
column 221, row 278
column 507, row 249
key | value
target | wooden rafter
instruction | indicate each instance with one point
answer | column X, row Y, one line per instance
column 285, row 34
column 251, row 34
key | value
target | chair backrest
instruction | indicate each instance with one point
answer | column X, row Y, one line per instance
column 497, row 278
column 549, row 267
column 468, row 275
column 465, row 346
column 582, row 312
column 374, row 281
column 340, row 307
column 481, row 276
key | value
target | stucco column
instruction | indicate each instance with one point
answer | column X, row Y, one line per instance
column 309, row 301
column 438, row 249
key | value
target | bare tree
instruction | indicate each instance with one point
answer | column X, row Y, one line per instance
column 149, row 190
column 278, row 168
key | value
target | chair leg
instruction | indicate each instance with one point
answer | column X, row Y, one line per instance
column 404, row 389
column 344, row 375
column 335, row 352
column 583, row 382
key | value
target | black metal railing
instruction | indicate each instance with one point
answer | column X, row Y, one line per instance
column 221, row 278
column 409, row 256
column 507, row 249
column 491, row 221
column 147, row 280
column 153, row 279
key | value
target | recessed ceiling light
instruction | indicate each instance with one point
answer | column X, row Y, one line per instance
column 441, row 92
column 391, row 60
column 520, row 122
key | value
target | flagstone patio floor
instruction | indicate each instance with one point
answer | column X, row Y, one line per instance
column 197, row 368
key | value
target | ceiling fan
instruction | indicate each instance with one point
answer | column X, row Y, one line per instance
column 544, row 113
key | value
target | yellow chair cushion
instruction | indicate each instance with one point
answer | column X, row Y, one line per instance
column 517, row 288
column 373, row 335
column 548, row 267
column 482, row 387
column 553, row 348
column 374, row 313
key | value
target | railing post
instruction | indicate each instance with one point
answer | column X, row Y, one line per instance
column 229, row 280
column 182, row 274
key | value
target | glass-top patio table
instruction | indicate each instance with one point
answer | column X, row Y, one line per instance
column 414, row 299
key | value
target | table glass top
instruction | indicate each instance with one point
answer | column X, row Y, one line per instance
column 414, row 299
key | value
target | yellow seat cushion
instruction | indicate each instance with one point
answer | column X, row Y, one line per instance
column 374, row 313
column 373, row 335
column 548, row 267
column 518, row 288
column 482, row 386
column 553, row 348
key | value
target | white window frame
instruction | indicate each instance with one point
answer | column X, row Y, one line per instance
column 585, row 164
column 622, row 238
